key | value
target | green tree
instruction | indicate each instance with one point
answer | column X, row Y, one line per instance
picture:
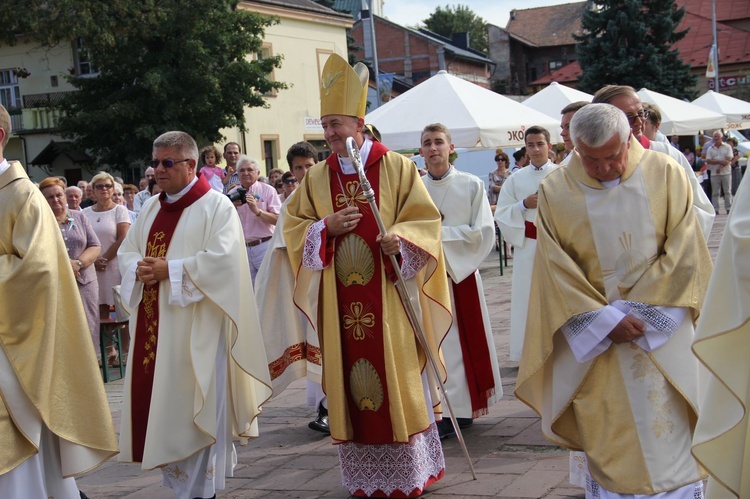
column 458, row 19
column 163, row 65
column 630, row 42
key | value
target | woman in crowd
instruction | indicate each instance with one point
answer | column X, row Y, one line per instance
column 111, row 222
column 83, row 249
column 273, row 178
column 498, row 177
column 288, row 184
column 129, row 191
column 119, row 198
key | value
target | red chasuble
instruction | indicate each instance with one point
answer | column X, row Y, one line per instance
column 147, row 325
column 358, row 261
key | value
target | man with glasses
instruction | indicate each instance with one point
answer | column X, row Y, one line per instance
column 258, row 211
column 626, row 100
column 145, row 194
column 196, row 376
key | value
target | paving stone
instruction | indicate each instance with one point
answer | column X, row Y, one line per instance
column 534, row 483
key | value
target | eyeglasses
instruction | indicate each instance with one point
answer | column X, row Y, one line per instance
column 643, row 115
column 100, row 187
column 290, row 180
column 168, row 163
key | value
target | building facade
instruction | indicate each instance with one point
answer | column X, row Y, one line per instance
column 416, row 55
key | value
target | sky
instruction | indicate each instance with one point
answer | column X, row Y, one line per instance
column 497, row 12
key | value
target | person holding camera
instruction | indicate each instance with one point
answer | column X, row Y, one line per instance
column 258, row 206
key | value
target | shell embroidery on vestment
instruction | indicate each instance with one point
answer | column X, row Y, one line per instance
column 365, row 386
column 355, row 263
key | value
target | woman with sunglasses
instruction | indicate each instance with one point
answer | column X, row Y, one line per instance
column 288, row 184
column 111, row 222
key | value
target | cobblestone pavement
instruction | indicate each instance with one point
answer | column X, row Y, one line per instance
column 288, row 460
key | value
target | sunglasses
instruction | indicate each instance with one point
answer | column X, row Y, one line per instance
column 168, row 163
column 643, row 114
column 100, row 187
column 290, row 180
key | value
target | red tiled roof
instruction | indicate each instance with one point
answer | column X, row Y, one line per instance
column 734, row 44
column 566, row 74
column 547, row 26
column 726, row 10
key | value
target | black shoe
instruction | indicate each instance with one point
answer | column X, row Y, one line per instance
column 464, row 422
column 83, row 496
column 321, row 422
column 445, row 429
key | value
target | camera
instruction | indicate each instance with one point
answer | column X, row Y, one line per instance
column 238, row 195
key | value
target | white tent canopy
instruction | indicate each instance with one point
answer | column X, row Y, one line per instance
column 680, row 117
column 475, row 116
column 737, row 111
column 552, row 99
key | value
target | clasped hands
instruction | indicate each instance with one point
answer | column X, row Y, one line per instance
column 346, row 220
column 151, row 270
column 627, row 330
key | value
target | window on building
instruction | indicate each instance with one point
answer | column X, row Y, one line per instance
column 10, row 95
column 84, row 61
column 555, row 65
column 270, row 152
column 266, row 52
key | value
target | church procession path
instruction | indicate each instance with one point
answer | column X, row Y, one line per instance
column 288, row 460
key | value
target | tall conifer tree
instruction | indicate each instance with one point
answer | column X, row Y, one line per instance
column 631, row 42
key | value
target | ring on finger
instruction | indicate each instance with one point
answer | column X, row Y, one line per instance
column 346, row 224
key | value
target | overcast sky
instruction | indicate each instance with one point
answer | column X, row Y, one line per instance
column 497, row 12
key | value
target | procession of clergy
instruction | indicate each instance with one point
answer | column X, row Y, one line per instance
column 611, row 275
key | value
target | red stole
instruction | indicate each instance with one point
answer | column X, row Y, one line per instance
column 147, row 323
column 645, row 142
column 359, row 265
column 476, row 353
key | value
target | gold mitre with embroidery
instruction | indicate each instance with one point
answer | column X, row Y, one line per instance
column 343, row 89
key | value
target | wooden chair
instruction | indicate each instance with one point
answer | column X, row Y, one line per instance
column 110, row 329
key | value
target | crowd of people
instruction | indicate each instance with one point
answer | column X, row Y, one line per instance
column 611, row 272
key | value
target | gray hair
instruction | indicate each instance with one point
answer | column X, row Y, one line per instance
column 179, row 140
column 73, row 188
column 595, row 124
column 118, row 188
column 247, row 159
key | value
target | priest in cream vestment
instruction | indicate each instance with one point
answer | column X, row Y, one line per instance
column 55, row 422
column 619, row 278
column 468, row 234
column 722, row 438
column 197, row 373
column 381, row 400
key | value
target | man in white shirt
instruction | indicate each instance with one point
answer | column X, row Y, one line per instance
column 144, row 195
column 719, row 160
